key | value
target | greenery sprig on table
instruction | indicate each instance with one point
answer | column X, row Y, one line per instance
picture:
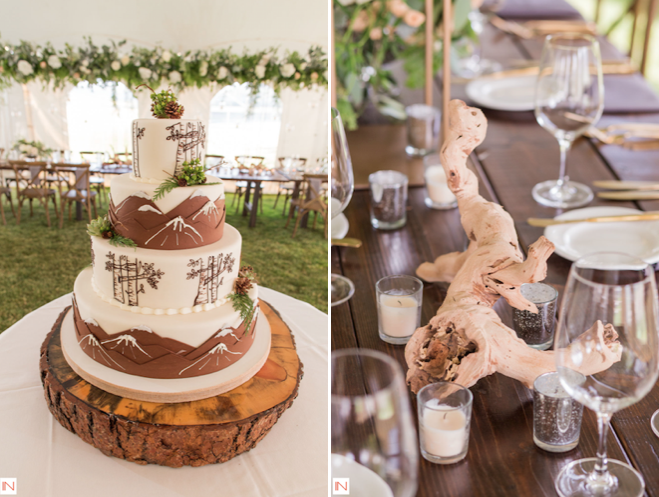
column 240, row 298
column 32, row 148
column 102, row 228
column 193, row 173
column 133, row 66
column 371, row 33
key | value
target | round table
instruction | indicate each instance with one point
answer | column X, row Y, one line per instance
column 48, row 460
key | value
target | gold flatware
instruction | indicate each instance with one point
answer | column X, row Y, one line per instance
column 543, row 223
column 626, row 185
column 346, row 242
column 531, row 29
column 534, row 70
column 630, row 195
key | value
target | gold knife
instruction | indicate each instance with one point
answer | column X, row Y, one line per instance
column 626, row 185
column 646, row 216
column 346, row 242
column 630, row 195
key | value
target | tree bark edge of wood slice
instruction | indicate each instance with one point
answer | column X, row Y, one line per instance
column 92, row 414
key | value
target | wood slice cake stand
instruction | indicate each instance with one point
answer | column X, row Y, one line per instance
column 196, row 433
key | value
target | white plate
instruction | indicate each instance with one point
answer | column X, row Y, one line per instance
column 573, row 241
column 513, row 94
column 654, row 422
column 340, row 226
column 363, row 481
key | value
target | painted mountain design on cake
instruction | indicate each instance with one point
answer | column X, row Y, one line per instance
column 195, row 222
column 141, row 352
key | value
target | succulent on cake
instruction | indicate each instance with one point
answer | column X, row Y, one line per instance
column 240, row 298
column 164, row 104
column 193, row 173
column 102, row 228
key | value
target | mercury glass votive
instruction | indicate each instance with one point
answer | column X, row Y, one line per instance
column 422, row 129
column 399, row 300
column 537, row 330
column 444, row 410
column 556, row 415
column 388, row 199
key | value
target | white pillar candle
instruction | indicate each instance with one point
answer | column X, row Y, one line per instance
column 438, row 189
column 443, row 430
column 398, row 315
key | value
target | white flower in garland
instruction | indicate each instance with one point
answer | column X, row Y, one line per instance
column 84, row 63
column 222, row 73
column 166, row 56
column 125, row 60
column 287, row 70
column 259, row 71
column 54, row 62
column 346, row 2
column 303, row 66
column 116, row 65
column 175, row 77
column 145, row 73
column 203, row 69
column 84, row 70
column 24, row 67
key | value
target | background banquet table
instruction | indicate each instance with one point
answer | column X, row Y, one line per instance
column 50, row 461
column 516, row 154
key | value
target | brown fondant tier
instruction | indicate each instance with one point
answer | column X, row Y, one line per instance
column 195, row 222
column 145, row 353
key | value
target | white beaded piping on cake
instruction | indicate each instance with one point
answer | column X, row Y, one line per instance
column 162, row 312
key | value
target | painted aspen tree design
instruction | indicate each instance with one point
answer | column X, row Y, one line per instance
column 127, row 275
column 138, row 133
column 209, row 273
column 191, row 138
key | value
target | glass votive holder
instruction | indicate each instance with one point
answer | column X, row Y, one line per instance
column 444, row 415
column 422, row 129
column 399, row 301
column 537, row 330
column 556, row 415
column 438, row 194
column 388, row 199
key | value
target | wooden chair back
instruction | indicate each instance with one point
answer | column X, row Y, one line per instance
column 249, row 160
column 292, row 163
column 80, row 184
column 314, row 198
column 37, row 171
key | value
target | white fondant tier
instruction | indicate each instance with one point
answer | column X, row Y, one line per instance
column 123, row 186
column 192, row 329
column 150, row 281
column 160, row 146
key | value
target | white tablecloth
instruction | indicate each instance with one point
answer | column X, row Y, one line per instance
column 50, row 461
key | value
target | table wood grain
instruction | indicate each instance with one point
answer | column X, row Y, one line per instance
column 516, row 154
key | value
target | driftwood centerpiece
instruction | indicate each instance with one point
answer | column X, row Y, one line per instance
column 466, row 339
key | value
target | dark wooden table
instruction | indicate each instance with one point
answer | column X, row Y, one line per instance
column 517, row 154
column 253, row 190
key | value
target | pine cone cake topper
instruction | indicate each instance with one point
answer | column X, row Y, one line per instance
column 165, row 105
column 243, row 285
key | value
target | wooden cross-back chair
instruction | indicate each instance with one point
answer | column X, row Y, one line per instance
column 241, row 186
column 5, row 194
column 311, row 202
column 249, row 160
column 36, row 187
column 287, row 187
column 79, row 191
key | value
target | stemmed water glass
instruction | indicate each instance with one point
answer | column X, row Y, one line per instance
column 343, row 184
column 569, row 98
column 374, row 442
column 618, row 291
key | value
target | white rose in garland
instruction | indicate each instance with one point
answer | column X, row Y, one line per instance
column 116, row 65
column 259, row 71
column 24, row 67
column 303, row 66
column 145, row 73
column 54, row 62
column 222, row 73
column 175, row 77
column 203, row 69
column 166, row 56
column 287, row 70
column 125, row 60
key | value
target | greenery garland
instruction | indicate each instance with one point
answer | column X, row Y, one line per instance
column 134, row 66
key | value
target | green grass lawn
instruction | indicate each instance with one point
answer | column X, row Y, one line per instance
column 39, row 264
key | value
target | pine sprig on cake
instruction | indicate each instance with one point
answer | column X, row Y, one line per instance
column 165, row 105
column 240, row 298
column 192, row 174
column 102, row 228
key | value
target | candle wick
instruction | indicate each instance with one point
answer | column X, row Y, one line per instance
column 445, row 415
column 401, row 304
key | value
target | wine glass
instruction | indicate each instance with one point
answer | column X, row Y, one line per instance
column 569, row 98
column 343, row 184
column 618, row 293
column 373, row 436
